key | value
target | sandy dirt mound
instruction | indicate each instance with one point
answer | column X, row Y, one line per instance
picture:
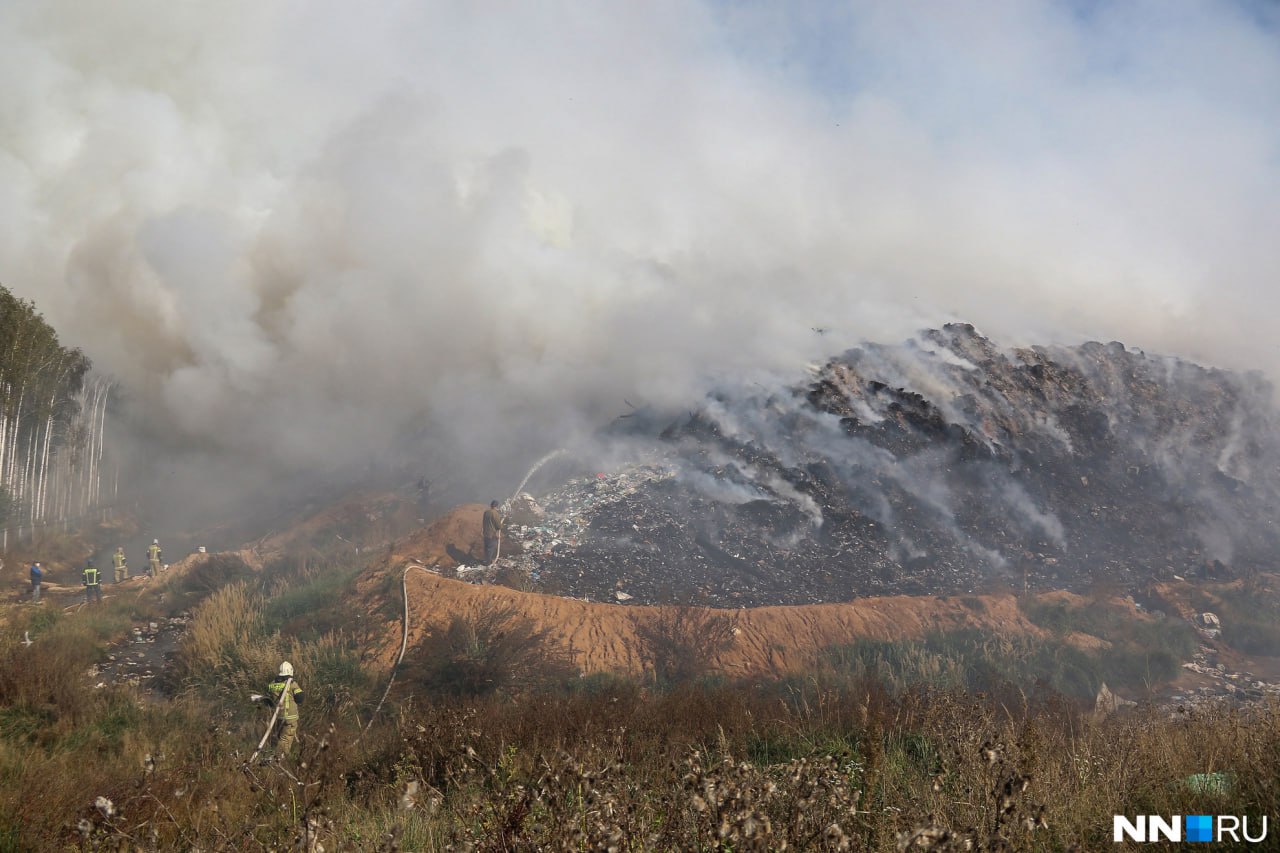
column 452, row 540
column 768, row 641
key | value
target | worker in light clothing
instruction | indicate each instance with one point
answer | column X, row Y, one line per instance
column 284, row 692
column 120, row 564
column 92, row 583
column 153, row 557
column 37, row 577
column 491, row 527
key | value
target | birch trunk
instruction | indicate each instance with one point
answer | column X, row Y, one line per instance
column 4, row 441
column 11, row 477
column 26, row 477
column 42, row 492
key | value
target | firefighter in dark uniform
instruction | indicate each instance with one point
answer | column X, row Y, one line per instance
column 92, row 583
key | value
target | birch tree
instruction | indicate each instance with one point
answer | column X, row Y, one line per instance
column 51, row 420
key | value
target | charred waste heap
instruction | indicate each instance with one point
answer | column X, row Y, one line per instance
column 942, row 465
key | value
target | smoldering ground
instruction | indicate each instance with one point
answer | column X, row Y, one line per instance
column 995, row 468
column 298, row 232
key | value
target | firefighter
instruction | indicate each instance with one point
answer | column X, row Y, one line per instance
column 120, row 564
column 285, row 692
column 92, row 583
column 153, row 557
column 491, row 527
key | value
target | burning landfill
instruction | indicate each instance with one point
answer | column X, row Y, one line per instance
column 941, row 465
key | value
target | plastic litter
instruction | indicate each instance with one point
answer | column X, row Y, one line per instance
column 1209, row 783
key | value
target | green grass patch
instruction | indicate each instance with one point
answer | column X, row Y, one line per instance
column 311, row 597
column 24, row 723
column 780, row 746
column 971, row 660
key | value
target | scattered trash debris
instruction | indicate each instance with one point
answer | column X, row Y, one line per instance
column 105, row 807
column 148, row 651
column 1223, row 685
column 1209, row 783
column 1107, row 703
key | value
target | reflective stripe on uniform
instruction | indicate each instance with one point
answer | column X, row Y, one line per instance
column 288, row 707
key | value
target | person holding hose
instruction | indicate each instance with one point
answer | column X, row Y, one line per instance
column 120, row 564
column 491, row 528
column 285, row 695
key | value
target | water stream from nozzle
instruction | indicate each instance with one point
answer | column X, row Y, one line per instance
column 543, row 461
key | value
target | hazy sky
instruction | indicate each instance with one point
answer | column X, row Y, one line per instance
column 293, row 228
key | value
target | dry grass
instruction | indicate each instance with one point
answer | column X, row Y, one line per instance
column 227, row 646
column 820, row 762
column 629, row 771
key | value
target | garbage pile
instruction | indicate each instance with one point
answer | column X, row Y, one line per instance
column 557, row 528
column 942, row 465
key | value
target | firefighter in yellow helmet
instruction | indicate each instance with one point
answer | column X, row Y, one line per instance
column 285, row 693
column 120, row 564
column 153, row 558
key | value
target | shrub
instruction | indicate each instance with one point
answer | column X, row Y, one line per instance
column 681, row 644
column 495, row 651
column 211, row 574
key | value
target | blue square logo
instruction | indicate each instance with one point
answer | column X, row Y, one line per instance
column 1198, row 827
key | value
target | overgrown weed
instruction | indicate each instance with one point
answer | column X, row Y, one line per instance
column 491, row 742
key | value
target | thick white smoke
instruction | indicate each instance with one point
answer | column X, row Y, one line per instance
column 293, row 229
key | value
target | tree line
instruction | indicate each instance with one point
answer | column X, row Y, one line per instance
column 52, row 420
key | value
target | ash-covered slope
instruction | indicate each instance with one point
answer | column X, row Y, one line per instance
column 941, row 465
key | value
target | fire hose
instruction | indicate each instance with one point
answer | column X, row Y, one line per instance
column 404, row 641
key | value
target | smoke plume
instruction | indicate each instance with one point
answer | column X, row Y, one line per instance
column 297, row 232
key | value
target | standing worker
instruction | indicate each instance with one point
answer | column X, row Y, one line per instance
column 424, row 497
column 491, row 527
column 37, row 575
column 284, row 693
column 153, row 557
column 120, row 563
column 92, row 584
